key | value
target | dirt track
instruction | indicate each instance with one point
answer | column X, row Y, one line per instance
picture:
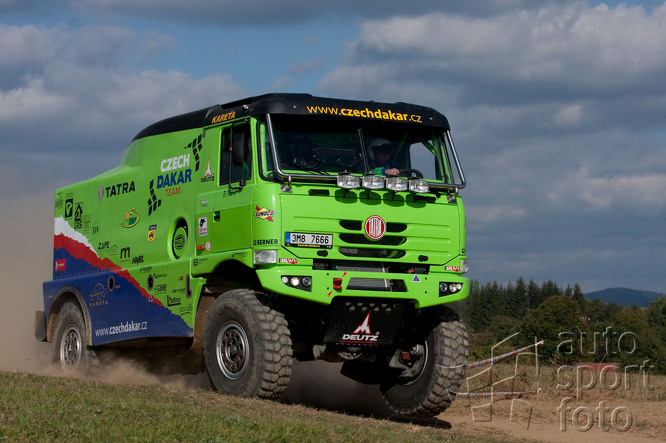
column 649, row 420
column 534, row 417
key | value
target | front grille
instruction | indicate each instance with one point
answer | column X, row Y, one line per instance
column 369, row 284
column 376, row 284
column 357, row 238
column 371, row 253
column 362, row 240
column 357, row 225
column 354, row 266
column 352, row 225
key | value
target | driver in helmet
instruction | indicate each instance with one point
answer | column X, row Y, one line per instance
column 382, row 164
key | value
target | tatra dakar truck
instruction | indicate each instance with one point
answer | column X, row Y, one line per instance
column 246, row 235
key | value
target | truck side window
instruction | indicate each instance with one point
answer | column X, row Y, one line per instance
column 236, row 155
column 423, row 160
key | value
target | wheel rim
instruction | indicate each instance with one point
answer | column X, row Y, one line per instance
column 426, row 357
column 232, row 350
column 70, row 348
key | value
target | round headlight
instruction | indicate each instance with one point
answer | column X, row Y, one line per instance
column 418, row 185
column 372, row 181
column 396, row 184
column 348, row 181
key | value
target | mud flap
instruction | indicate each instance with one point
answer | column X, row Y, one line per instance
column 40, row 326
column 364, row 322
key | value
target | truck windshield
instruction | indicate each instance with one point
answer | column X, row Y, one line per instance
column 328, row 146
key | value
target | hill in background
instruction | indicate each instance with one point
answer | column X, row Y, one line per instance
column 625, row 296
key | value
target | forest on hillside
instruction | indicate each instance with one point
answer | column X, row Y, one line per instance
column 573, row 328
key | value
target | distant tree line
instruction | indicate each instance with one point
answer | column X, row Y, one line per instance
column 574, row 329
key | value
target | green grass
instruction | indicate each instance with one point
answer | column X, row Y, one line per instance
column 67, row 409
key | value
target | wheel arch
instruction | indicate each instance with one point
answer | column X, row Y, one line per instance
column 227, row 275
column 66, row 294
column 232, row 274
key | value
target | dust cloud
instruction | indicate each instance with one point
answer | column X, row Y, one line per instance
column 319, row 384
column 26, row 247
column 27, row 259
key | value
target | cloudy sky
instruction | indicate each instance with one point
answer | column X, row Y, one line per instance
column 558, row 110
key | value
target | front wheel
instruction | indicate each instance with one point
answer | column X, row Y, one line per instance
column 247, row 346
column 70, row 351
column 429, row 387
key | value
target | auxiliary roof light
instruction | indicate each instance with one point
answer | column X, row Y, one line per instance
column 348, row 181
column 371, row 181
column 396, row 184
column 418, row 185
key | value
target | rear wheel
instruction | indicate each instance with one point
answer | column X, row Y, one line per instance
column 247, row 346
column 70, row 350
column 437, row 370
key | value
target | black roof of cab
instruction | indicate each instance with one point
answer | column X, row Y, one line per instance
column 299, row 104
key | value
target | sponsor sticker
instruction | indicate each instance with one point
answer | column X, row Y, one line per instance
column 203, row 226
column 264, row 213
column 131, row 218
column 362, row 333
column 208, row 175
column 60, row 264
column 151, row 233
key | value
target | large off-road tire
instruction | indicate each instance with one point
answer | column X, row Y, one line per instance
column 70, row 350
column 247, row 346
column 444, row 340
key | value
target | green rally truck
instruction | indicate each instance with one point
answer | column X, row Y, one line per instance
column 245, row 235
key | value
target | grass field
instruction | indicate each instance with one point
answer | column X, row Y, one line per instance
column 142, row 407
column 41, row 408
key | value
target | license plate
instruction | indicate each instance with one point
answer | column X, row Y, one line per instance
column 308, row 240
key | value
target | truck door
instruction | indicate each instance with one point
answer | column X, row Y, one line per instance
column 223, row 214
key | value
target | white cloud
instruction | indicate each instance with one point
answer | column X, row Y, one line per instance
column 487, row 214
column 569, row 49
column 19, row 104
column 81, row 90
column 21, row 45
column 569, row 115
column 645, row 192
